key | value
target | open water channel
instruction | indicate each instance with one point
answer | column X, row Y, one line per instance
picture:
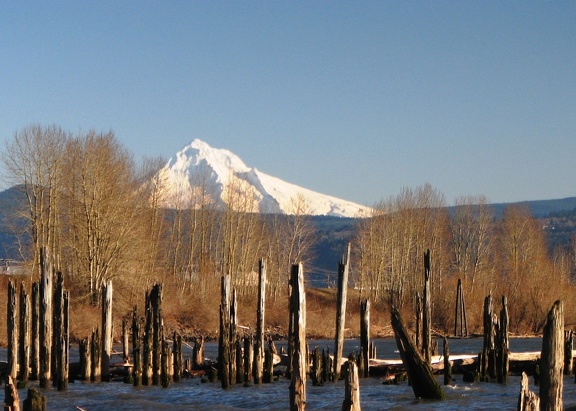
column 192, row 394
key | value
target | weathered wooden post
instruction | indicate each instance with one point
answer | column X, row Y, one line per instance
column 268, row 366
column 343, row 269
column 224, row 338
column 177, row 356
column 299, row 357
column 239, row 358
column 60, row 335
column 487, row 360
column 352, row 388
column 552, row 360
column 248, row 359
column 233, row 336
column 260, row 316
column 125, row 340
column 423, row 382
column 11, row 396
column 568, row 347
column 527, row 400
column 24, row 345
column 316, row 371
column 84, row 349
column 447, row 364
column 12, row 331
column 46, row 290
column 198, row 353
column 427, row 312
column 147, row 351
column 95, row 356
column 34, row 401
column 365, row 335
column 164, row 363
column 460, row 312
column 136, row 349
column 502, row 352
column 106, row 329
column 157, row 341
column 418, row 321
column 35, row 346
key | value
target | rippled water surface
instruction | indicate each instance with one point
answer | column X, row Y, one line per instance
column 191, row 394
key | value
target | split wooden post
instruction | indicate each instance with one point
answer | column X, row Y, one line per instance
column 343, row 269
column 24, row 345
column 365, row 336
column 552, row 360
column 224, row 337
column 503, row 346
column 487, row 356
column 11, row 396
column 46, row 291
column 422, row 379
column 352, row 388
column 299, row 357
column 233, row 336
column 460, row 312
column 427, row 312
column 527, row 400
column 260, row 316
column 12, row 328
column 157, row 338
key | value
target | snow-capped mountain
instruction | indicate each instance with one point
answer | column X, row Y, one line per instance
column 200, row 174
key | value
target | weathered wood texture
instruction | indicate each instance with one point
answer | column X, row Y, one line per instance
column 34, row 401
column 95, row 357
column 224, row 337
column 365, row 337
column 568, row 347
column 24, row 334
column 85, row 359
column 299, row 356
column 46, row 291
column 11, row 397
column 12, row 330
column 487, row 356
column 260, row 322
column 343, row 270
column 177, row 357
column 427, row 311
column 136, row 348
column 35, row 345
column 460, row 312
column 351, row 388
column 198, row 353
column 527, row 400
column 147, row 348
column 552, row 360
column 423, row 382
column 503, row 344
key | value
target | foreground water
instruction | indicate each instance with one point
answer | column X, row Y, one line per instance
column 191, row 394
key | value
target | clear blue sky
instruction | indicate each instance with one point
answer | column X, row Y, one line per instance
column 354, row 99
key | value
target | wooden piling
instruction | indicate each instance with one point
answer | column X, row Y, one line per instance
column 11, row 396
column 351, row 388
column 343, row 269
column 527, row 400
column 136, row 349
column 427, row 311
column 552, row 360
column 24, row 334
column 232, row 374
column 316, row 370
column 177, row 357
column 164, row 363
column 299, row 357
column 106, row 329
column 423, row 382
column 224, row 337
column 157, row 339
column 365, row 336
column 198, row 353
column 34, row 401
column 12, row 330
column 46, row 290
column 460, row 312
column 249, row 359
column 147, row 349
column 85, row 359
column 503, row 344
column 568, row 347
column 260, row 323
column 447, row 364
column 95, row 356
column 487, row 356
column 35, row 332
column 125, row 340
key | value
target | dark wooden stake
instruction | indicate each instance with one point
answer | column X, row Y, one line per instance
column 136, row 349
column 224, row 338
column 85, row 359
column 12, row 331
column 552, row 360
column 11, row 397
column 177, row 357
column 365, row 336
column 106, row 329
column 568, row 347
column 351, row 388
column 34, row 401
column 503, row 344
column 248, row 359
column 343, row 269
column 147, row 350
column 35, row 347
column 95, row 346
column 24, row 345
column 427, row 312
column 46, row 290
column 447, row 364
column 198, row 353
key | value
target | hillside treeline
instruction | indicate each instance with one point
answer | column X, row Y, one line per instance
column 99, row 216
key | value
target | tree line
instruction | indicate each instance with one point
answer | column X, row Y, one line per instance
column 101, row 216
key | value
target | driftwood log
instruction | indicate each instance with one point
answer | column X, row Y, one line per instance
column 423, row 382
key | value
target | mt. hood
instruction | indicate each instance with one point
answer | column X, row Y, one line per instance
column 200, row 174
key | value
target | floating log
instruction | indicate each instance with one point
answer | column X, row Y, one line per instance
column 12, row 328
column 24, row 334
column 299, row 357
column 527, row 400
column 343, row 269
column 351, row 388
column 423, row 382
column 365, row 337
column 552, row 360
column 260, row 316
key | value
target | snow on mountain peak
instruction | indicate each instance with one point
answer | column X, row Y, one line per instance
column 200, row 172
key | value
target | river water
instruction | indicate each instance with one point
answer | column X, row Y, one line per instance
column 192, row 394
